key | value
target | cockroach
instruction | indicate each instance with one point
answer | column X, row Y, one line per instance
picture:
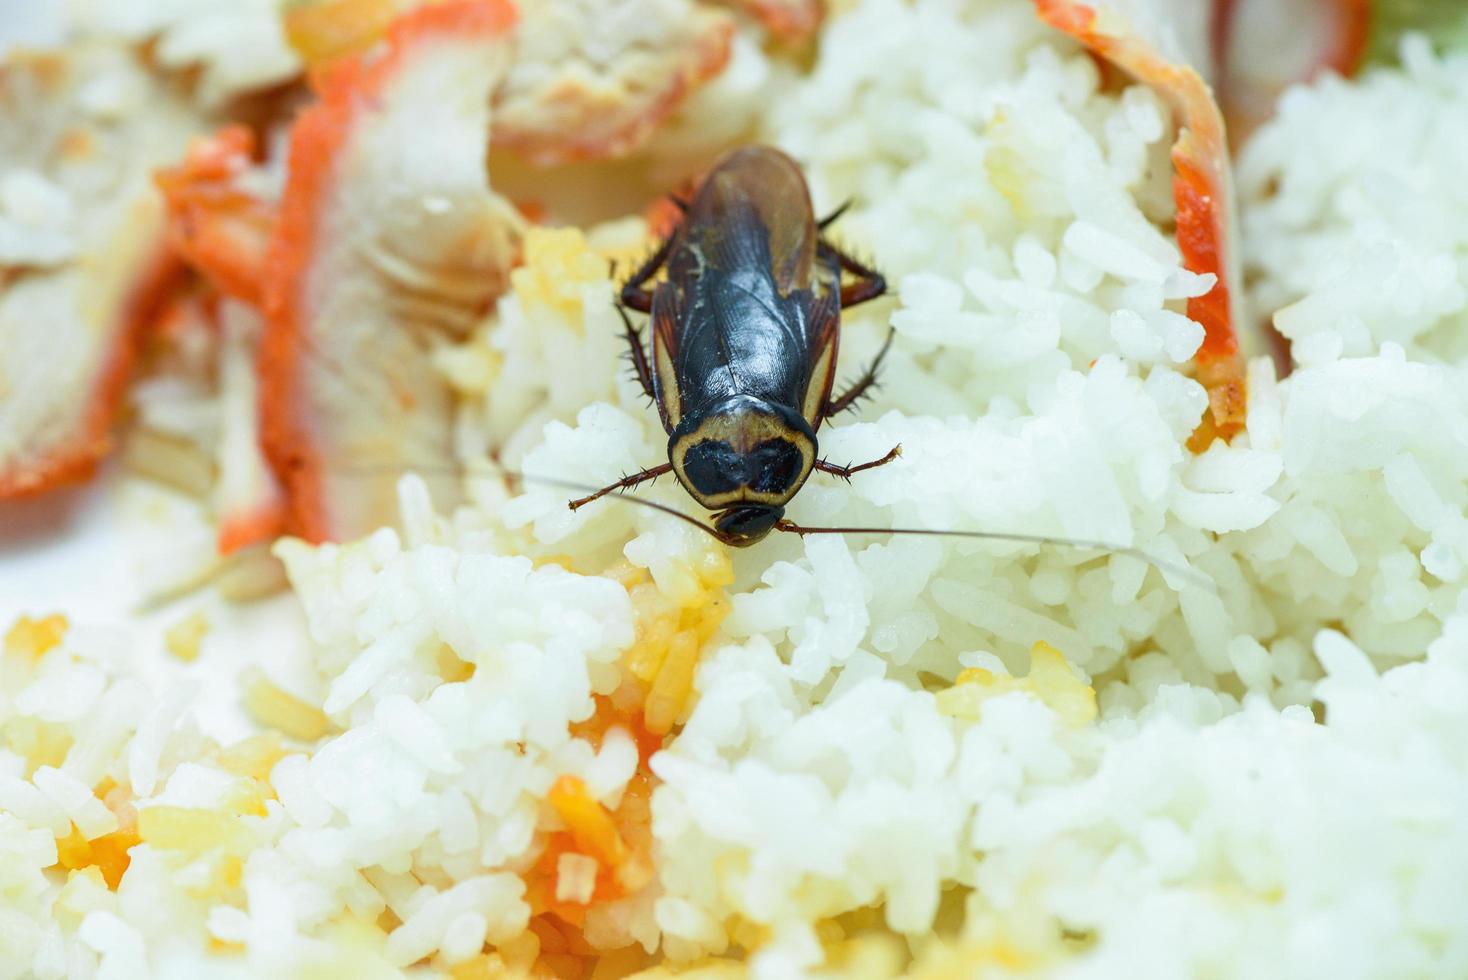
column 746, row 325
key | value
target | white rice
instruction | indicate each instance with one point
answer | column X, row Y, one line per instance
column 1359, row 247
column 1272, row 779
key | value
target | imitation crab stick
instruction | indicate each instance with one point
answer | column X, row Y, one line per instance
column 788, row 20
column 77, row 292
column 216, row 224
column 1262, row 46
column 221, row 227
column 588, row 82
column 1141, row 38
column 388, row 238
column 249, row 502
column 63, row 395
column 587, row 79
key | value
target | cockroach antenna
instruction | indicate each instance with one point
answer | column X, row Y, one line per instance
column 494, row 471
column 1190, row 575
column 1161, row 564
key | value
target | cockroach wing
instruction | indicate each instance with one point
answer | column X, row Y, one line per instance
column 792, row 235
column 755, row 212
column 666, row 314
column 823, row 330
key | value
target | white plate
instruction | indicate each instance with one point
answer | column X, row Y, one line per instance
column 94, row 552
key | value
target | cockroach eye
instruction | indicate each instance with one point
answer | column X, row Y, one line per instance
column 774, row 465
column 712, row 466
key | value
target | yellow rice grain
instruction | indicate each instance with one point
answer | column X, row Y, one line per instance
column 866, row 956
column 485, row 966
column 646, row 657
column 707, row 969
column 192, row 830
column 673, row 684
column 184, row 638
column 519, row 954
column 34, row 637
column 324, row 30
column 1050, row 680
column 558, row 262
column 274, row 708
column 252, row 757
column 40, row 743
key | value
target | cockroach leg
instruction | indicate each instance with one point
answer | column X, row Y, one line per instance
column 626, row 483
column 638, row 353
column 862, row 385
column 634, row 292
column 869, row 282
column 846, row 472
column 834, row 216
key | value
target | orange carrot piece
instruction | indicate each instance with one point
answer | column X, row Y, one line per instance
column 590, row 824
column 606, row 717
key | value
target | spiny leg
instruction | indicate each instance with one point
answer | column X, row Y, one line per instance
column 634, row 293
column 626, row 483
column 638, row 354
column 846, row 472
column 869, row 282
column 834, row 216
column 862, row 385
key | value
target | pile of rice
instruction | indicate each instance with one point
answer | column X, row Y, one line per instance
column 890, row 755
